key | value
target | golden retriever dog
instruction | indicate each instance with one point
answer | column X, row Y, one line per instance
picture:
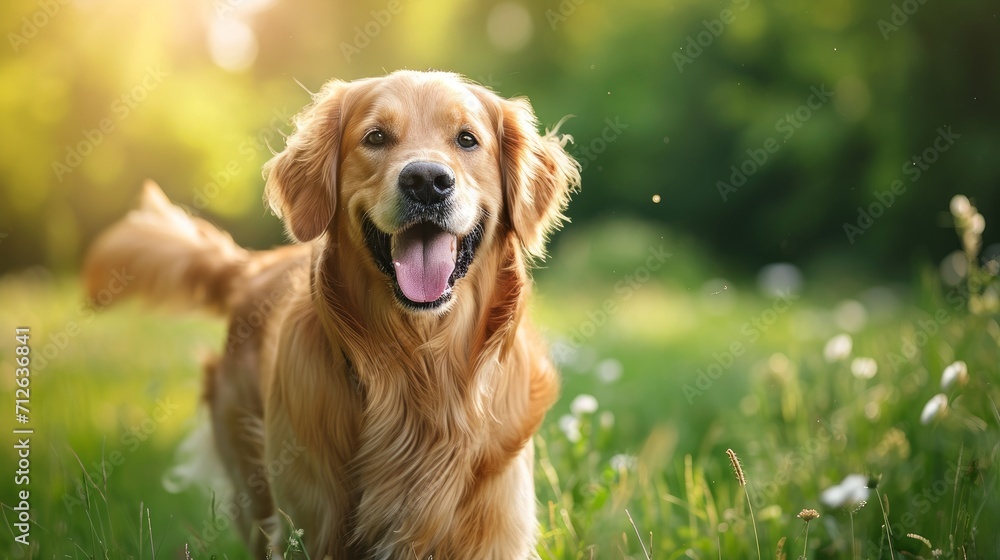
column 381, row 381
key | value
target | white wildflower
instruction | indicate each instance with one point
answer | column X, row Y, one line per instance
column 850, row 315
column 960, row 206
column 570, row 427
column 852, row 490
column 609, row 370
column 957, row 372
column 864, row 368
column 977, row 224
column 934, row 408
column 622, row 462
column 583, row 404
column 838, row 348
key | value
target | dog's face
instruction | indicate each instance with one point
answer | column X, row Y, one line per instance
column 420, row 178
column 425, row 170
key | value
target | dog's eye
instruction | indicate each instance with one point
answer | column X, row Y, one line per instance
column 375, row 137
column 467, row 140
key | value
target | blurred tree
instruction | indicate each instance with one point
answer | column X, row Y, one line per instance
column 763, row 127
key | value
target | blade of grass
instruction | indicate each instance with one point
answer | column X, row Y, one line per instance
column 644, row 551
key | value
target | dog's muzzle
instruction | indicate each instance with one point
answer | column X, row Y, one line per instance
column 425, row 257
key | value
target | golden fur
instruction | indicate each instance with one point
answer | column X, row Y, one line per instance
column 382, row 431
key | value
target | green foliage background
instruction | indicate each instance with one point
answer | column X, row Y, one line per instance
column 666, row 97
column 896, row 77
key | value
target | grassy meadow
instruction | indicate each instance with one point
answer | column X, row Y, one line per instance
column 807, row 378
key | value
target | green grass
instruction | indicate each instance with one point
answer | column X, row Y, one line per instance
column 655, row 445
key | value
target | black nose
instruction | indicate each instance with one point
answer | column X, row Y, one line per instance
column 427, row 182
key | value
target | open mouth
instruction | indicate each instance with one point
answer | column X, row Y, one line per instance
column 423, row 260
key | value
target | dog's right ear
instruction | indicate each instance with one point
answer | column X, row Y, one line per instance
column 302, row 179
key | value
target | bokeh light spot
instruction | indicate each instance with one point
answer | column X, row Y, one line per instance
column 954, row 268
column 779, row 278
column 232, row 44
column 509, row 26
column 850, row 315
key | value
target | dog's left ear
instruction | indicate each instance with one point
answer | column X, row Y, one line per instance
column 538, row 175
column 302, row 179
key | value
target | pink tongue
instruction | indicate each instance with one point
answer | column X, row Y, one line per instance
column 424, row 258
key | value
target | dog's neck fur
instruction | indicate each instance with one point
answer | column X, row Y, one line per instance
column 428, row 425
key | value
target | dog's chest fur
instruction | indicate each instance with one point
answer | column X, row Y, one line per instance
column 415, row 464
column 431, row 468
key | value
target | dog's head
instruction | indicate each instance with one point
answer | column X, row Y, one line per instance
column 425, row 170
